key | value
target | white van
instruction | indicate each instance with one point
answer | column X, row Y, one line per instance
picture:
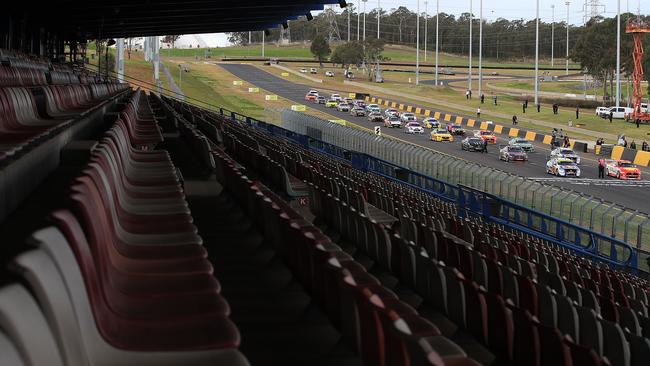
column 620, row 112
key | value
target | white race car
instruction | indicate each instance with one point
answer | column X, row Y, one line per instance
column 562, row 167
column 413, row 128
column 408, row 117
column 342, row 107
column 563, row 152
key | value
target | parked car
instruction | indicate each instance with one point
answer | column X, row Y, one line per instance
column 622, row 169
column 358, row 112
column 524, row 144
column 303, row 70
column 564, row 152
column 375, row 117
column 313, row 70
column 408, row 117
column 342, row 107
column 320, row 99
column 602, row 112
column 413, row 128
column 471, row 144
column 331, row 103
column 336, row 97
column 512, row 153
column 620, row 112
column 440, row 134
column 431, row 123
column 329, row 74
column 562, row 167
column 486, row 135
column 393, row 122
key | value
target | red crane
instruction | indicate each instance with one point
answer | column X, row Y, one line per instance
column 638, row 28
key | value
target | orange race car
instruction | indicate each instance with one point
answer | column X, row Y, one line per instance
column 622, row 169
column 486, row 135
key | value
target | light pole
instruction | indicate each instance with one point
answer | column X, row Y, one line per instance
column 364, row 19
column 378, row 16
column 480, row 50
column 358, row 20
column 426, row 16
column 348, row 11
column 618, row 55
column 537, row 53
column 567, row 36
column 417, row 45
column 263, row 34
column 437, row 27
column 469, row 73
column 552, row 33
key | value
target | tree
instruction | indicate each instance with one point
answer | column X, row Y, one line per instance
column 347, row 54
column 320, row 48
column 170, row 39
column 372, row 53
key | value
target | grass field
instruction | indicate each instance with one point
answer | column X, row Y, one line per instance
column 394, row 53
column 574, row 87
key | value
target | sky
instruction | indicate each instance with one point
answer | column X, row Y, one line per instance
column 492, row 9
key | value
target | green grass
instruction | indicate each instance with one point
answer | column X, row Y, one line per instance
column 570, row 87
column 394, row 53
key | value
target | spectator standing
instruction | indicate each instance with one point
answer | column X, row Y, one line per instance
column 485, row 143
column 638, row 121
column 611, row 116
column 633, row 145
column 495, row 99
column 523, row 108
column 578, row 112
column 478, row 112
column 644, row 146
column 538, row 107
column 482, row 98
column 467, row 94
column 601, row 168
column 514, row 120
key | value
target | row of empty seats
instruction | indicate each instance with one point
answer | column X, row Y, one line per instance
column 121, row 277
column 528, row 300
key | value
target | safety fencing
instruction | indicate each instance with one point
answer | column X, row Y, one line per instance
column 618, row 152
column 577, row 218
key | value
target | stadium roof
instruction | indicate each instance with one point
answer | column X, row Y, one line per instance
column 92, row 19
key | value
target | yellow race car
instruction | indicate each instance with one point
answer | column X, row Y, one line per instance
column 331, row 103
column 440, row 134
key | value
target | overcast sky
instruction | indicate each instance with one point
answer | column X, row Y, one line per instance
column 493, row 9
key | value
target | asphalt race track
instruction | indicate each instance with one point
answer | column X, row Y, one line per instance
column 631, row 194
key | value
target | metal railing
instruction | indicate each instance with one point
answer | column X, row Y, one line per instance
column 606, row 221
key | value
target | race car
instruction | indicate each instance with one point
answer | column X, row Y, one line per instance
column 342, row 107
column 512, row 153
column 622, row 169
column 358, row 112
column 522, row 143
column 311, row 96
column 472, row 144
column 455, row 129
column 360, row 103
column 413, row 128
column 391, row 112
column 375, row 117
column 431, row 123
column 440, row 134
column 348, row 101
column 408, row 117
column 486, row 135
column 331, row 103
column 320, row 99
column 563, row 152
column 562, row 167
column 336, row 97
column 392, row 122
column 373, row 108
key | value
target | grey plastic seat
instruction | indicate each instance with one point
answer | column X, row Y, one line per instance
column 23, row 322
column 54, row 275
column 9, row 355
column 639, row 350
column 455, row 296
column 510, row 286
column 615, row 346
column 567, row 317
column 547, row 306
column 591, row 331
column 629, row 320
